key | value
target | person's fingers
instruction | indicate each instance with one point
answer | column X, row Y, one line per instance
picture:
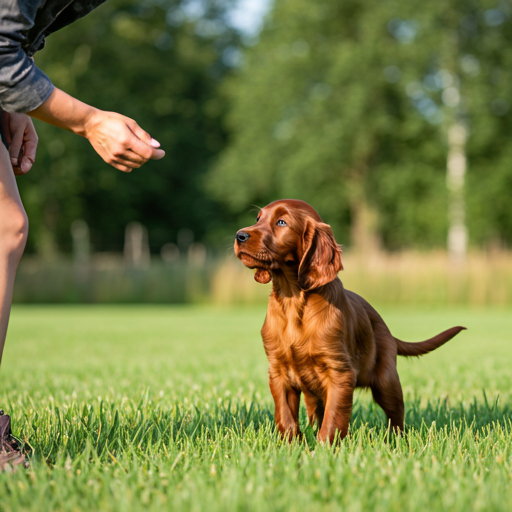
column 149, row 147
column 143, row 135
column 132, row 157
column 123, row 165
column 15, row 146
column 129, row 163
column 142, row 150
column 26, row 164
column 157, row 154
column 128, row 157
column 30, row 141
column 29, row 148
column 139, row 147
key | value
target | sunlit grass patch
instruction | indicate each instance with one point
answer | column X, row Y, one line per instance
column 159, row 408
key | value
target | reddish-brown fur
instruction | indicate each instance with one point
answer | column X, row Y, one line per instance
column 320, row 339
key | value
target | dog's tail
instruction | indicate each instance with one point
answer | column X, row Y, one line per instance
column 424, row 347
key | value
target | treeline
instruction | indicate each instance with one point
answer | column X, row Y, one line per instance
column 345, row 104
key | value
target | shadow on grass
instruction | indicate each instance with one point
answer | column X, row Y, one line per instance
column 108, row 429
column 477, row 416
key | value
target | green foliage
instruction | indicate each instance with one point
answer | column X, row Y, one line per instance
column 343, row 104
column 346, row 105
column 157, row 408
column 161, row 65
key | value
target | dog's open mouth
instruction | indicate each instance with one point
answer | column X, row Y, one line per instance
column 260, row 261
column 262, row 264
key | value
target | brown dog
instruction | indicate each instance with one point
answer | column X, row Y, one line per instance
column 320, row 339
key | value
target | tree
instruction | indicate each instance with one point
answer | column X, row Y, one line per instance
column 160, row 63
column 348, row 106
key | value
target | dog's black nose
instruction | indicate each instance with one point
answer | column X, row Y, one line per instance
column 242, row 236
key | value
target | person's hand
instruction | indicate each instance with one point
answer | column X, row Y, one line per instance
column 22, row 140
column 120, row 141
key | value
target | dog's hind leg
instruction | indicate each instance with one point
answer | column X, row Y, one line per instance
column 387, row 392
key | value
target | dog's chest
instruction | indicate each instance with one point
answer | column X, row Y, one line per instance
column 294, row 344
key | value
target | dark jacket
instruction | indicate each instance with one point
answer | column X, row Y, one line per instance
column 24, row 24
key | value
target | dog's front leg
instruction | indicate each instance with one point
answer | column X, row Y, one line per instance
column 338, row 406
column 287, row 402
column 315, row 408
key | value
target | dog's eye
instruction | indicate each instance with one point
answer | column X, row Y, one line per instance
column 258, row 219
column 281, row 222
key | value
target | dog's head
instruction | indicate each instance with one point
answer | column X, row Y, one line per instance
column 289, row 234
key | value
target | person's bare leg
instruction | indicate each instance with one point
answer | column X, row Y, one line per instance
column 13, row 237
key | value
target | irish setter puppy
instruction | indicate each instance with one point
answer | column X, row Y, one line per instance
column 320, row 339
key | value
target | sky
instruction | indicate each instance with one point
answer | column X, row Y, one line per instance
column 248, row 15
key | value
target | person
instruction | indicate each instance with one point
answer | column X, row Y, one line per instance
column 25, row 93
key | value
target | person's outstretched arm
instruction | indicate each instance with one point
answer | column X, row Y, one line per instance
column 119, row 140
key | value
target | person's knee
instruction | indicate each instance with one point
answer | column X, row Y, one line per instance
column 19, row 232
column 14, row 233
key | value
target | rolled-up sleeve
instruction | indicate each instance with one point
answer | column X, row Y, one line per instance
column 23, row 86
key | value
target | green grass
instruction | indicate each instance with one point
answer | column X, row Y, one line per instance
column 167, row 408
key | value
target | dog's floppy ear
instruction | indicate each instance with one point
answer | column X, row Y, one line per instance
column 321, row 256
column 262, row 276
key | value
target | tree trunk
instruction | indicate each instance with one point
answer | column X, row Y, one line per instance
column 46, row 243
column 364, row 235
column 456, row 171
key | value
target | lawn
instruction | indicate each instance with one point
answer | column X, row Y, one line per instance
column 167, row 408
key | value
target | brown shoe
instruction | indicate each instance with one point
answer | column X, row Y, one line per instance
column 11, row 449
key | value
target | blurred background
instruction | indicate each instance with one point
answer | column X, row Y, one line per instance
column 393, row 119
